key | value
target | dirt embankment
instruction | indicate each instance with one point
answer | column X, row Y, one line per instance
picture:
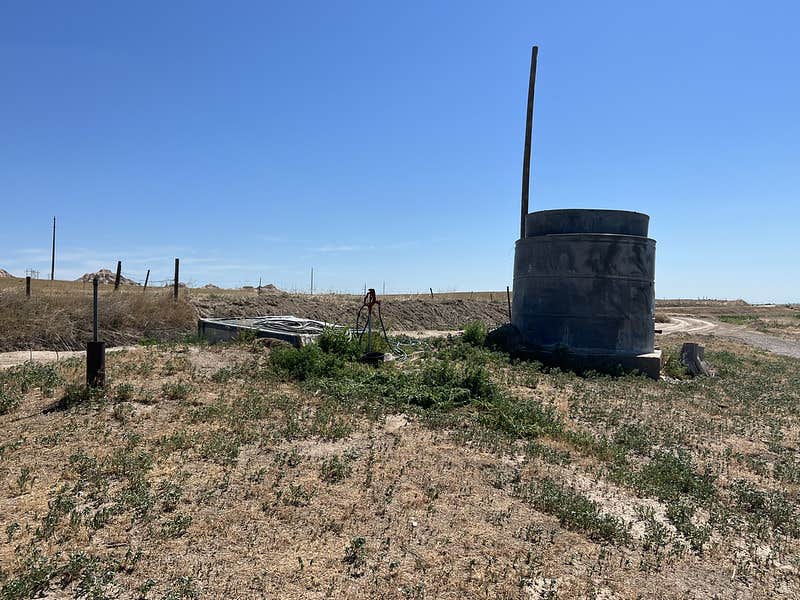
column 398, row 314
column 64, row 321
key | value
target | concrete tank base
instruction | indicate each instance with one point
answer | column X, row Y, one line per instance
column 509, row 338
column 646, row 364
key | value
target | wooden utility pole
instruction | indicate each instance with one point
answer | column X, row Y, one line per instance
column 526, row 156
column 117, row 276
column 177, row 271
column 53, row 256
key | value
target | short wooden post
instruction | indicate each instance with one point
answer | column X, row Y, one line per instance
column 693, row 358
column 28, row 286
column 508, row 297
column 177, row 274
column 118, row 275
column 431, row 292
column 146, row 279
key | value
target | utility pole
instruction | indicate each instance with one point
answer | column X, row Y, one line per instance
column 177, row 276
column 53, row 256
column 526, row 155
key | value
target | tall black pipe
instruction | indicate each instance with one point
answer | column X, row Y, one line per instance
column 526, row 157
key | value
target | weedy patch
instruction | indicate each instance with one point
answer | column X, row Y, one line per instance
column 574, row 511
column 17, row 381
column 335, row 469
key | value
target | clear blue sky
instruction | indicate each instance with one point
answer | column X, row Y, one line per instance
column 382, row 142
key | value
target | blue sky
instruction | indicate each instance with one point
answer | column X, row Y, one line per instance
column 382, row 142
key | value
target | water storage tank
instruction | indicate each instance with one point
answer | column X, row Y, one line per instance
column 584, row 285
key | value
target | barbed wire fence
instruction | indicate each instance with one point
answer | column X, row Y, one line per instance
column 141, row 280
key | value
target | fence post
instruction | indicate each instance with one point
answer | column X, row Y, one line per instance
column 431, row 292
column 28, row 286
column 175, row 288
column 118, row 275
column 146, row 279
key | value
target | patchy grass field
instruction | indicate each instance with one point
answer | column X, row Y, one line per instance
column 245, row 471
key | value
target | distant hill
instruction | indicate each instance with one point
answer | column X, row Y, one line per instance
column 4, row 273
column 105, row 276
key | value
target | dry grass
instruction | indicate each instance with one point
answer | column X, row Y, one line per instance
column 205, row 472
column 64, row 321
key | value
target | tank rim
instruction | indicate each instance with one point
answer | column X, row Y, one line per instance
column 588, row 210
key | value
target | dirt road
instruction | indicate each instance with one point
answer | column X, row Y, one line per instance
column 11, row 359
column 741, row 333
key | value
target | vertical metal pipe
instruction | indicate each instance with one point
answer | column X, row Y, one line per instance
column 526, row 157
column 94, row 309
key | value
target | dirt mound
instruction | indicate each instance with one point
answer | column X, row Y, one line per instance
column 105, row 276
column 4, row 273
column 398, row 314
